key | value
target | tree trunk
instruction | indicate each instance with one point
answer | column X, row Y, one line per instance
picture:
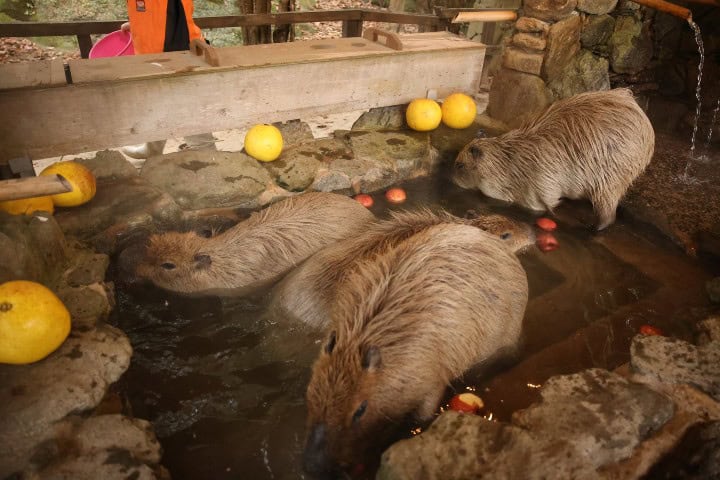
column 285, row 32
column 255, row 35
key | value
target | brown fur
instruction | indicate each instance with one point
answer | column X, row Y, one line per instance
column 255, row 252
column 307, row 292
column 404, row 324
column 591, row 145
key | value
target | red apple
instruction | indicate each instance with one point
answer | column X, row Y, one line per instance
column 650, row 330
column 396, row 195
column 466, row 403
column 546, row 242
column 365, row 200
column 546, row 224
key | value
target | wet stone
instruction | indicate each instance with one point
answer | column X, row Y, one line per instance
column 529, row 24
column 86, row 267
column 586, row 72
column 523, row 61
column 631, row 45
column 604, row 417
column 514, row 96
column 198, row 179
column 709, row 330
column 32, row 247
column 713, row 289
column 295, row 169
column 72, row 379
column 109, row 165
column 529, row 40
column 381, row 118
column 87, row 304
column 596, row 30
column 596, row 7
column 562, row 45
column 674, row 361
column 294, row 132
column 549, row 10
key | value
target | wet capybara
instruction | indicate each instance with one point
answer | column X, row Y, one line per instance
column 592, row 145
column 307, row 293
column 254, row 253
column 404, row 324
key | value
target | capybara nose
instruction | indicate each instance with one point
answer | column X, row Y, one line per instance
column 315, row 458
column 128, row 260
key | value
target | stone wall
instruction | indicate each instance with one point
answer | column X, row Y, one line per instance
column 560, row 48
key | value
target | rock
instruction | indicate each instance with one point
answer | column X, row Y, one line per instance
column 87, row 304
column 109, row 165
column 72, row 379
column 631, row 45
column 709, row 330
column 383, row 158
column 206, row 178
column 514, row 96
column 132, row 435
column 584, row 73
column 596, row 7
column 674, row 361
column 119, row 208
column 523, row 61
column 295, row 169
column 530, row 41
column 713, row 289
column 563, row 44
column 596, row 30
column 549, row 10
column 531, row 25
column 381, row 118
column 327, row 180
column 32, row 247
column 294, row 132
column 604, row 417
column 106, row 465
column 86, row 267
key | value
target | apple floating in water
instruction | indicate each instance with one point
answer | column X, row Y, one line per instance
column 546, row 224
column 547, row 242
column 365, row 200
column 466, row 403
column 396, row 195
column 650, row 330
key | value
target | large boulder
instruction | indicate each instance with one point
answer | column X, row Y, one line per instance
column 631, row 45
column 514, row 96
column 562, row 44
column 549, row 10
column 584, row 73
column 596, row 7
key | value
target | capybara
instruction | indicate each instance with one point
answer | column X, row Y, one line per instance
column 404, row 324
column 307, row 293
column 592, row 145
column 254, row 253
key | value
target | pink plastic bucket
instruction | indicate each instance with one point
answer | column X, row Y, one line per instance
column 113, row 44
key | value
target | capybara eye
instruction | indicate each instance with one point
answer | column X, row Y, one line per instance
column 360, row 411
column 330, row 345
column 475, row 151
column 506, row 235
column 206, row 233
column 168, row 266
column 460, row 165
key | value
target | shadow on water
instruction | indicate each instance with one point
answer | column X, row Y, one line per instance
column 224, row 383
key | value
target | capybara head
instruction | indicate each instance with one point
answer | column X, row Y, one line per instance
column 176, row 261
column 476, row 162
column 518, row 236
column 343, row 421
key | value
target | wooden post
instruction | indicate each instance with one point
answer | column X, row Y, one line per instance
column 667, row 7
column 85, row 44
column 352, row 28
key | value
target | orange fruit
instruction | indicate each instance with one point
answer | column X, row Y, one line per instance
column 423, row 114
column 80, row 178
column 33, row 322
column 458, row 110
column 264, row 142
column 28, row 206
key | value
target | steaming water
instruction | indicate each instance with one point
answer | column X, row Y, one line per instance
column 224, row 384
column 701, row 49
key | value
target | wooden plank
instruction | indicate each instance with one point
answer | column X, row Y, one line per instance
column 43, row 73
column 110, row 113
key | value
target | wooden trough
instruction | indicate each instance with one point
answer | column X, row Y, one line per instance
column 128, row 100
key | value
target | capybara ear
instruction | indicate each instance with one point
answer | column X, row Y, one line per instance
column 371, row 360
column 330, row 345
column 202, row 260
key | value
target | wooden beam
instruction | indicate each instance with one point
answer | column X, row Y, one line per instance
column 85, row 44
column 116, row 102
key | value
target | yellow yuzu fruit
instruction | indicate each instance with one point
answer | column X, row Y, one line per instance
column 28, row 206
column 33, row 322
column 264, row 142
column 458, row 110
column 423, row 114
column 80, row 178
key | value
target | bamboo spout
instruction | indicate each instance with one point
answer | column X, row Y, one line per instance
column 667, row 7
column 486, row 16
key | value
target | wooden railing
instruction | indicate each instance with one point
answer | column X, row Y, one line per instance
column 352, row 23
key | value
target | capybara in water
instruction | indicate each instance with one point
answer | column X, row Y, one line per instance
column 252, row 254
column 404, row 324
column 307, row 292
column 592, row 145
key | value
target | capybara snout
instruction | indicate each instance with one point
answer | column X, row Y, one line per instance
column 592, row 146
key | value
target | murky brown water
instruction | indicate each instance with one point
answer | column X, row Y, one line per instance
column 224, row 385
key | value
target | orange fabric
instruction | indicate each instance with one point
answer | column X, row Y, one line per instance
column 147, row 24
